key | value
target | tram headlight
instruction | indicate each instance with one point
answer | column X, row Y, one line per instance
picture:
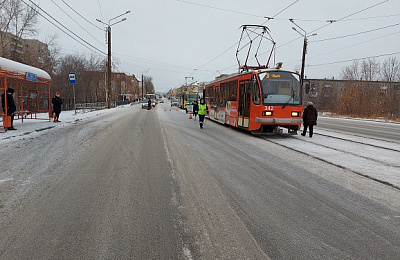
column 295, row 114
column 267, row 113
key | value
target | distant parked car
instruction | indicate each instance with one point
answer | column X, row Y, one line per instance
column 144, row 103
column 174, row 102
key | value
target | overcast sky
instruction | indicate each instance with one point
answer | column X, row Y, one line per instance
column 178, row 39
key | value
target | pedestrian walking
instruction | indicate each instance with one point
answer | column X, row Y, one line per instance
column 310, row 115
column 202, row 111
column 11, row 107
column 195, row 109
column 57, row 104
column 149, row 104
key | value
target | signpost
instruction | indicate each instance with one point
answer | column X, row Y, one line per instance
column 72, row 81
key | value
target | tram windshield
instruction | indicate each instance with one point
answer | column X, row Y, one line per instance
column 280, row 88
column 192, row 97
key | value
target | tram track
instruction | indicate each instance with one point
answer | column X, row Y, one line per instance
column 360, row 142
column 359, row 149
column 366, row 157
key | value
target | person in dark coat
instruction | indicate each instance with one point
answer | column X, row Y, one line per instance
column 11, row 107
column 149, row 104
column 57, row 102
column 195, row 109
column 310, row 115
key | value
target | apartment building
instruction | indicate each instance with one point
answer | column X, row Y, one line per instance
column 28, row 51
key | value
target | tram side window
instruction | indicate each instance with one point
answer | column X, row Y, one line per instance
column 232, row 85
column 217, row 96
column 223, row 94
column 255, row 91
column 210, row 94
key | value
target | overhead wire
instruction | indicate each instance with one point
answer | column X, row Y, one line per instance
column 354, row 34
column 349, row 15
column 221, row 9
column 344, row 61
column 338, row 20
column 357, row 44
column 76, row 21
column 101, row 12
column 345, row 18
column 98, row 27
column 342, row 20
column 67, row 33
column 236, row 43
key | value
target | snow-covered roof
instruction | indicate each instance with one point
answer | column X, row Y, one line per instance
column 13, row 66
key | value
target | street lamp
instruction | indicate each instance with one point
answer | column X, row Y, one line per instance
column 303, row 60
column 108, row 25
column 144, row 72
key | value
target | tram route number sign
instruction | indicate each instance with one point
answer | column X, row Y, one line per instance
column 72, row 77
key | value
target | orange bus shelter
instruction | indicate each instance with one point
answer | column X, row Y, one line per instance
column 32, row 91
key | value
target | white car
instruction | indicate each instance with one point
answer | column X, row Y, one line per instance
column 174, row 102
column 144, row 103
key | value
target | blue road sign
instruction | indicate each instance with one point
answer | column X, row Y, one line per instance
column 31, row 77
column 72, row 77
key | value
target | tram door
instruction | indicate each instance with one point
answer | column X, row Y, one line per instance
column 244, row 104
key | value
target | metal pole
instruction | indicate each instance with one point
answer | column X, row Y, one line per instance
column 303, row 60
column 109, row 54
column 73, row 88
column 142, row 87
column 109, row 67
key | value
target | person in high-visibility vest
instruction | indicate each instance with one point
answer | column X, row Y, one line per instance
column 203, row 110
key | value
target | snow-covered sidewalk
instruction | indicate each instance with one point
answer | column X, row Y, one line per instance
column 34, row 127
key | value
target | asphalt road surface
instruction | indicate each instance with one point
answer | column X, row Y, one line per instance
column 144, row 184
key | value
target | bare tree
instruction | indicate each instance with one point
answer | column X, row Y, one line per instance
column 148, row 84
column 390, row 70
column 370, row 70
column 17, row 19
column 54, row 53
column 365, row 96
column 68, row 63
column 351, row 72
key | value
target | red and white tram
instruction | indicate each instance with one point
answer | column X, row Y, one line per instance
column 260, row 101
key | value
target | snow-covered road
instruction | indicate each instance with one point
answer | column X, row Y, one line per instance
column 372, row 158
column 233, row 194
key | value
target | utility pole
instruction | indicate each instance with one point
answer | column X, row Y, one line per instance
column 305, row 43
column 109, row 68
column 108, row 25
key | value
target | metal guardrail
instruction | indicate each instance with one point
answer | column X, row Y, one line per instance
column 87, row 107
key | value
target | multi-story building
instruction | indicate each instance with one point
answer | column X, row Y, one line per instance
column 37, row 54
column 28, row 51
column 11, row 46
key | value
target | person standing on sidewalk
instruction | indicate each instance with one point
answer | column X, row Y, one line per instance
column 310, row 115
column 11, row 107
column 57, row 102
column 203, row 110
